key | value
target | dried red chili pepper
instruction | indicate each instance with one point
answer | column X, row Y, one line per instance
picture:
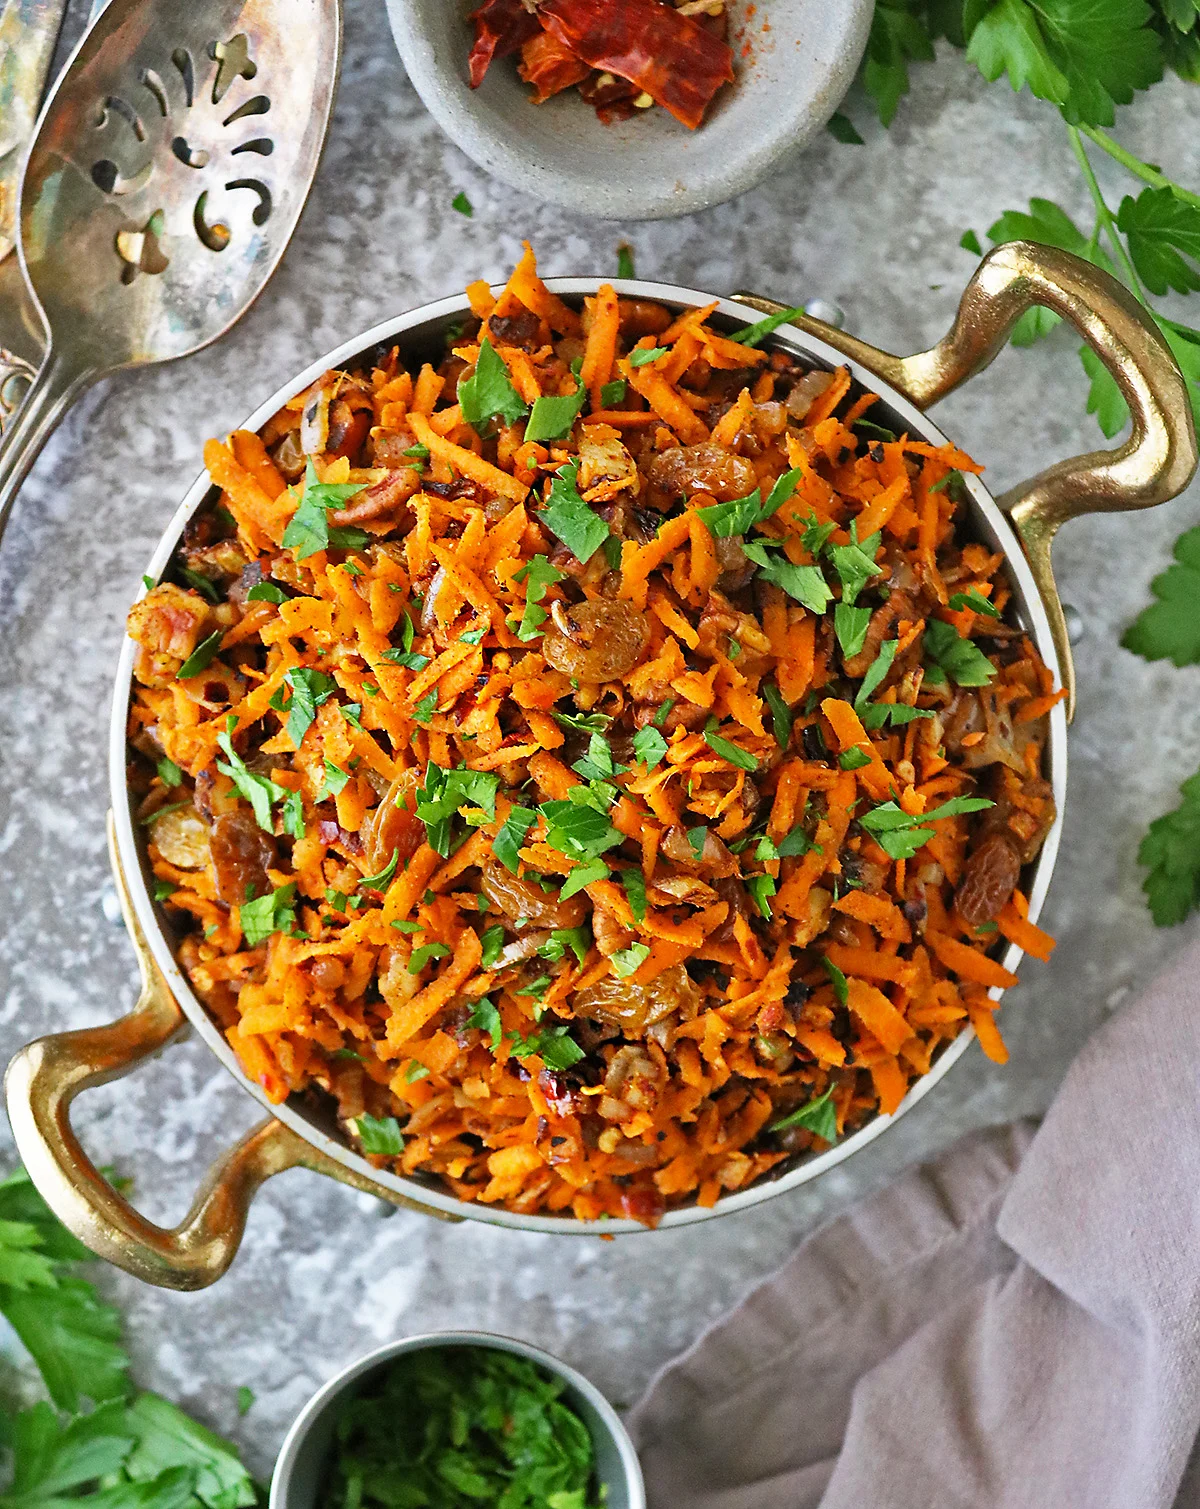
column 550, row 66
column 501, row 27
column 671, row 57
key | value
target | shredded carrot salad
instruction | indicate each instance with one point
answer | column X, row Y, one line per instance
column 595, row 758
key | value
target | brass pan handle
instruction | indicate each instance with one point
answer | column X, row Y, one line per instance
column 44, row 1078
column 1155, row 463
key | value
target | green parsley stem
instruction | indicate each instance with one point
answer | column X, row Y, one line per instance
column 1105, row 214
column 1137, row 167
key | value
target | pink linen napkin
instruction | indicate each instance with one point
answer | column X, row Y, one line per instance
column 1017, row 1324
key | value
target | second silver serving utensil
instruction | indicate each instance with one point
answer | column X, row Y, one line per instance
column 169, row 169
column 28, row 32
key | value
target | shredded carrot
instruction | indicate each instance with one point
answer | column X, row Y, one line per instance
column 617, row 780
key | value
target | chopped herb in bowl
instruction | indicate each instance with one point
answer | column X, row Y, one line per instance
column 445, row 1427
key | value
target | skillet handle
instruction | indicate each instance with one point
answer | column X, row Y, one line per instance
column 1154, row 464
column 44, row 1078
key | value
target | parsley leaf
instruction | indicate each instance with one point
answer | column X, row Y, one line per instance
column 379, row 882
column 816, row 1116
column 961, row 659
column 1170, row 851
column 577, row 939
column 896, row 36
column 245, row 1399
column 485, row 1017
column 552, row 415
column 420, row 957
column 761, row 887
column 754, row 335
column 273, row 913
column 841, row 988
column 850, row 625
column 613, row 392
column 643, row 356
column 266, row 592
column 169, row 773
column 854, row 758
column 900, row 834
column 462, row 204
column 309, row 690
column 627, row 961
column 569, row 518
column 583, row 875
column 976, row 602
column 855, row 565
column 625, row 268
column 876, row 672
column 511, row 836
column 537, row 574
column 1169, row 629
column 805, row 583
column 634, row 883
column 379, row 1136
column 553, row 1045
column 742, row 758
column 578, row 830
column 447, row 791
column 488, row 393
column 782, row 716
column 649, row 746
column 738, row 516
column 1163, row 234
column 1084, row 58
column 334, row 782
column 308, row 529
column 411, row 660
column 202, row 656
column 259, row 790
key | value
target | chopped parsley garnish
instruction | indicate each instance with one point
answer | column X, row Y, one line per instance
column 900, row 834
column 427, row 706
column 634, row 883
column 695, row 837
column 378, row 882
column 462, row 204
column 259, row 790
column 816, row 1116
column 491, row 941
column 537, row 574
column 309, row 689
column 583, row 875
column 742, row 758
column 245, row 1399
column 854, row 758
column 961, row 659
column 598, row 764
column 309, row 530
column 553, row 1045
column 761, row 888
column 274, row 913
column 627, row 961
column 553, row 415
column 203, row 584
column 414, row 1072
column 854, row 564
column 578, row 830
column 754, row 334
column 472, row 636
column 485, row 1017
column 569, row 518
column 643, row 356
column 266, row 592
column 850, row 625
column 841, row 988
column 445, row 793
column 649, row 746
column 202, row 656
column 876, row 672
column 797, row 842
column 488, row 393
column 334, row 783
column 411, row 660
column 898, row 714
column 976, row 601
column 735, row 517
column 418, row 452
column 782, row 716
column 583, row 723
column 421, row 956
column 379, row 1136
column 169, row 773
column 511, row 836
column 625, row 261
column 577, row 939
column 805, row 583
column 613, row 392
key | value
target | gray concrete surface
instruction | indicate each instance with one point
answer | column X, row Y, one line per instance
column 322, row 1275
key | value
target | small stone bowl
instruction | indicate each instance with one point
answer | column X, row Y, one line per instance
column 300, row 1470
column 794, row 60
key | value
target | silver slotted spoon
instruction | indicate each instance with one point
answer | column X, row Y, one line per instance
column 169, row 169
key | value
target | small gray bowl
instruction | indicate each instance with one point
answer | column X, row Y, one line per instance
column 794, row 59
column 300, row 1470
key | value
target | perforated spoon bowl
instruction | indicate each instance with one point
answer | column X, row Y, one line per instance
column 168, row 171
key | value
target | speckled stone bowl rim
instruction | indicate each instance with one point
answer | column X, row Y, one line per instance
column 290, row 1453
column 988, row 521
column 780, row 120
